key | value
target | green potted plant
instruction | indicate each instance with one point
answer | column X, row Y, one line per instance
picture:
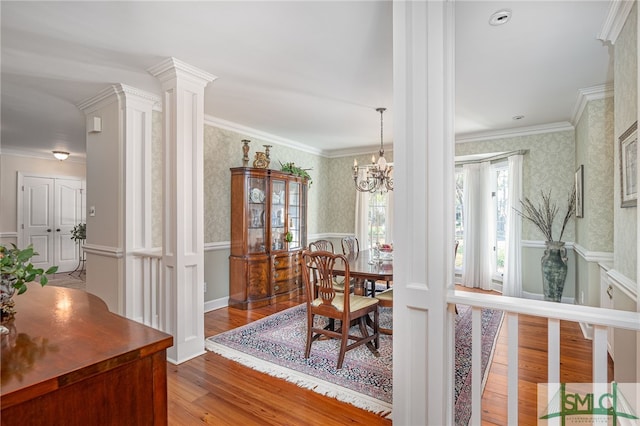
column 16, row 271
column 79, row 232
column 295, row 170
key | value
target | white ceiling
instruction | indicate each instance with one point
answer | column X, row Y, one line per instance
column 310, row 72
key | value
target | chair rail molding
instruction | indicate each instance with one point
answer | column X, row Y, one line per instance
column 593, row 256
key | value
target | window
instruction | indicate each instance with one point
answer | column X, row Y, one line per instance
column 500, row 185
column 459, row 217
column 501, row 204
column 377, row 219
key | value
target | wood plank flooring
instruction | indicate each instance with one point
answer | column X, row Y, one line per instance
column 210, row 389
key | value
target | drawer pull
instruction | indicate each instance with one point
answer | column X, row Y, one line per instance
column 276, row 288
column 275, row 275
column 275, row 262
column 610, row 292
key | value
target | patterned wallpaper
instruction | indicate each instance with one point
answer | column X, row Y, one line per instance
column 223, row 150
column 549, row 165
column 594, row 150
column 626, row 90
column 331, row 197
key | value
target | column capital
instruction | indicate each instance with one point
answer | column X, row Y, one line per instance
column 172, row 68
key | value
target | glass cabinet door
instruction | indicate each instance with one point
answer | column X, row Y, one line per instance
column 256, row 215
column 278, row 219
column 295, row 215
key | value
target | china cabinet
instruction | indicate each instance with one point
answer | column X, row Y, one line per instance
column 268, row 233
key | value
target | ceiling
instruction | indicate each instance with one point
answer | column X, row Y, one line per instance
column 308, row 72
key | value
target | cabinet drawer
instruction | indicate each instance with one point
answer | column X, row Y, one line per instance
column 286, row 261
column 285, row 286
column 286, row 274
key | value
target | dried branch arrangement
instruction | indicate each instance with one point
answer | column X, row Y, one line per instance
column 543, row 214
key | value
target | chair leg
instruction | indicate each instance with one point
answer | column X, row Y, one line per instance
column 309, row 334
column 343, row 342
column 376, row 322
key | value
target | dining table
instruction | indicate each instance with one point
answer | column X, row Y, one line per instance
column 367, row 266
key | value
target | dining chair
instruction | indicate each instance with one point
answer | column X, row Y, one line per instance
column 350, row 245
column 321, row 245
column 333, row 305
column 385, row 300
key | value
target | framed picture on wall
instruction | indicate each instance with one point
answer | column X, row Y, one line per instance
column 629, row 166
column 579, row 191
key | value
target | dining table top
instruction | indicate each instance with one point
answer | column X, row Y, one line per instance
column 364, row 266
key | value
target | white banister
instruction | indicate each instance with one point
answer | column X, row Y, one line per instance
column 599, row 353
column 553, row 350
column 152, row 306
column 600, row 318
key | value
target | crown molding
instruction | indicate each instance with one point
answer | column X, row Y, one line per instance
column 616, row 17
column 174, row 68
column 111, row 94
column 258, row 134
column 587, row 95
column 43, row 155
column 517, row 132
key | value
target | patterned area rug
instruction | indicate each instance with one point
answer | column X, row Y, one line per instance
column 275, row 346
column 491, row 321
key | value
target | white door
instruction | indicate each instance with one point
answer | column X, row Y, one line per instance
column 67, row 214
column 51, row 208
column 37, row 221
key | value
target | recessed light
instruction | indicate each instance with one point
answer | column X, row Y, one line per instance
column 517, row 117
column 500, row 17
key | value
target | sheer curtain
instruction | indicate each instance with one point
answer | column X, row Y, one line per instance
column 362, row 215
column 512, row 278
column 389, row 218
column 478, row 226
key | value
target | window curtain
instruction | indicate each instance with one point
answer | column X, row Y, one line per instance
column 512, row 278
column 389, row 218
column 478, row 226
column 362, row 214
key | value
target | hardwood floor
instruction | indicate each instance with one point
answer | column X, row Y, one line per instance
column 211, row 389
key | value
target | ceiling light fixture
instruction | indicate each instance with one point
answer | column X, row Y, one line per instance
column 501, row 17
column 517, row 117
column 378, row 174
column 61, row 155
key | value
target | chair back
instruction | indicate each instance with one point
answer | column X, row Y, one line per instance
column 318, row 272
column 321, row 245
column 350, row 246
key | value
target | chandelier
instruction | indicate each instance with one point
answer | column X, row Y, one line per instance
column 378, row 175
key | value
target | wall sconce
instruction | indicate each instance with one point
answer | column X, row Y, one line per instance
column 61, row 155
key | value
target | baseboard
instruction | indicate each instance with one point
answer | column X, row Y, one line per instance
column 212, row 305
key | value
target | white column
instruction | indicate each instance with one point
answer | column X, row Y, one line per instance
column 137, row 117
column 118, row 192
column 183, row 223
column 423, row 112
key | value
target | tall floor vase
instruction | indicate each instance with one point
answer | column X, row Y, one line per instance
column 554, row 270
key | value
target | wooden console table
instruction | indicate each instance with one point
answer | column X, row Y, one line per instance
column 68, row 360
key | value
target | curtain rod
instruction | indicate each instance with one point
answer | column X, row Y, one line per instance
column 494, row 158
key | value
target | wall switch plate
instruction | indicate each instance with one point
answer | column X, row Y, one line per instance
column 92, row 211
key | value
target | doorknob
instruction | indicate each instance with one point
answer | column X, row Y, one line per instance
column 48, row 230
column 58, row 230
